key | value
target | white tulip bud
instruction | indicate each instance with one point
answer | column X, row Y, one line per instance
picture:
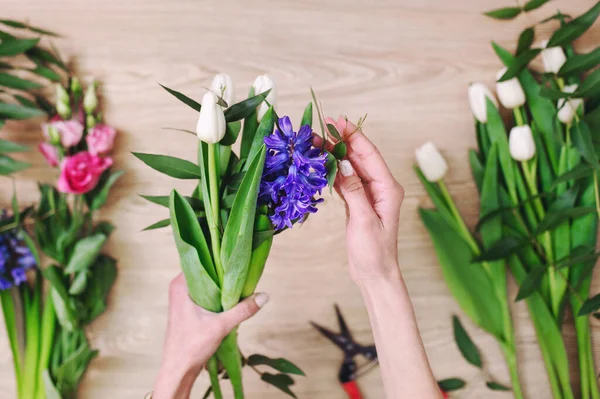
column 568, row 108
column 211, row 122
column 431, row 162
column 478, row 93
column 90, row 99
column 521, row 144
column 222, row 85
column 510, row 92
column 260, row 85
column 552, row 57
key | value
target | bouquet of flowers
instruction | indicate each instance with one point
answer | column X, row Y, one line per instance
column 46, row 327
column 225, row 228
column 539, row 193
column 19, row 93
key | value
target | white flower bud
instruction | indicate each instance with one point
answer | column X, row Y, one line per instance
column 478, row 92
column 552, row 57
column 90, row 99
column 222, row 86
column 568, row 108
column 211, row 122
column 431, row 162
column 260, row 85
column 510, row 92
column 63, row 106
column 521, row 144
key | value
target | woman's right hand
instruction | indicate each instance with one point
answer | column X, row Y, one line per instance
column 373, row 199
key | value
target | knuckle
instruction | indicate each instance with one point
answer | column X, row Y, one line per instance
column 398, row 191
column 354, row 186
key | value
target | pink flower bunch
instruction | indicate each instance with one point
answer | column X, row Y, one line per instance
column 81, row 156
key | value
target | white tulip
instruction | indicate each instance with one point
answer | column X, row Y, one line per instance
column 552, row 57
column 521, row 144
column 261, row 84
column 431, row 162
column 222, row 86
column 510, row 92
column 568, row 108
column 211, row 122
column 478, row 93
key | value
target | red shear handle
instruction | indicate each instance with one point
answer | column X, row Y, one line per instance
column 351, row 389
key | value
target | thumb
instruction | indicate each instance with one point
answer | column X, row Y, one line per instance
column 244, row 310
column 353, row 191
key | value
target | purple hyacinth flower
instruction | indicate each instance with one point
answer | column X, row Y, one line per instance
column 15, row 259
column 294, row 174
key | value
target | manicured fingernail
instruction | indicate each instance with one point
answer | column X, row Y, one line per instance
column 346, row 168
column 261, row 299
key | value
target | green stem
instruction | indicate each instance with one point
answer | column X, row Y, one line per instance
column 47, row 339
column 582, row 349
column 597, row 193
column 215, row 233
column 511, row 360
column 10, row 321
column 213, row 371
column 464, row 230
column 32, row 345
column 518, row 116
column 550, row 370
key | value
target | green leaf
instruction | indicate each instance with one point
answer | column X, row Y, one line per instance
column 340, row 150
column 180, row 130
column 79, row 283
column 21, row 25
column 183, row 98
column 469, row 284
column 497, row 134
column 85, row 253
column 532, row 282
column 158, row 225
column 519, row 64
column 280, row 381
column 244, row 108
column 18, row 112
column 265, row 128
column 236, row 246
column 232, row 132
column 504, row 13
column 249, row 131
column 580, row 63
column 333, row 131
column 307, row 116
column 465, row 344
column 554, row 219
column 494, row 386
column 451, row 384
column 533, row 4
column 332, row 167
column 14, row 82
column 49, row 388
column 281, row 365
column 100, row 280
column 170, row 166
column 572, row 30
column 589, row 306
column 502, row 249
column 40, row 56
column 12, row 47
column 163, row 200
column 9, row 165
column 7, row 146
column 60, row 297
column 579, row 172
column 46, row 73
column 558, row 16
column 229, row 355
column 525, row 40
column 589, row 88
column 194, row 254
column 476, row 168
column 98, row 196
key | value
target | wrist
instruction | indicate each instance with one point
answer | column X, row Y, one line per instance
column 390, row 275
column 175, row 378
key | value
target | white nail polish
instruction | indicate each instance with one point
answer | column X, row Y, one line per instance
column 261, row 299
column 346, row 168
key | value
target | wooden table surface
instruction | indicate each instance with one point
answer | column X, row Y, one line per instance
column 406, row 63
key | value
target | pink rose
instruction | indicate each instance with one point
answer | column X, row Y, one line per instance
column 80, row 173
column 100, row 139
column 50, row 153
column 70, row 131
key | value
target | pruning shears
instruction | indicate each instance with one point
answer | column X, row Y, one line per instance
column 350, row 371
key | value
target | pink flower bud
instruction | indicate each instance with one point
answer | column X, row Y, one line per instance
column 100, row 139
column 50, row 153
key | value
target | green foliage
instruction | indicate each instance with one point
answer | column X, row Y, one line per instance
column 465, row 344
column 451, row 384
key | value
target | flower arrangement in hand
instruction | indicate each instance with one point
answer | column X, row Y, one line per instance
column 538, row 186
column 225, row 229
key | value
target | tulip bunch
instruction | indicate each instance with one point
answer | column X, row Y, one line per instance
column 224, row 230
column 540, row 202
column 46, row 327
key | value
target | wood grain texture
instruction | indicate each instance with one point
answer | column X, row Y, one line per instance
column 405, row 63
